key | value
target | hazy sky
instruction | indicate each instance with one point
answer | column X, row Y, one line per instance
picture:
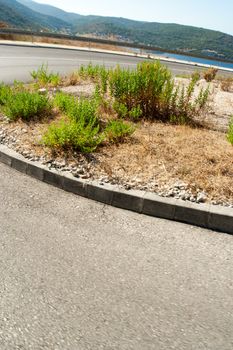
column 213, row 14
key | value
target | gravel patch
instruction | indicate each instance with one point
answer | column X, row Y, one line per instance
column 86, row 90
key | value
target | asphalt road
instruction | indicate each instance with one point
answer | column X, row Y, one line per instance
column 78, row 275
column 16, row 62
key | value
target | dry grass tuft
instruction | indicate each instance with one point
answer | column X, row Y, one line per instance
column 71, row 79
column 163, row 154
column 226, row 84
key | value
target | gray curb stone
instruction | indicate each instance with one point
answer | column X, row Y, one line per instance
column 99, row 193
column 130, row 200
column 70, row 184
column 208, row 216
column 160, row 207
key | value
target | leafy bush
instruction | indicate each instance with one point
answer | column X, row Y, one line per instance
column 210, row 74
column 145, row 87
column 64, row 102
column 77, row 109
column 81, row 129
column 121, row 109
column 5, row 93
column 150, row 92
column 135, row 113
column 230, row 131
column 26, row 105
column 43, row 78
column 117, row 130
column 196, row 75
column 72, row 135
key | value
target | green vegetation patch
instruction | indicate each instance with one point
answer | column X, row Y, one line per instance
column 230, row 132
column 77, row 109
column 117, row 130
column 5, row 93
column 149, row 92
column 72, row 135
column 26, row 105
column 42, row 77
column 122, row 98
column 81, row 128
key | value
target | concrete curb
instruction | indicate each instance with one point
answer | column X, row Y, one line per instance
column 207, row 216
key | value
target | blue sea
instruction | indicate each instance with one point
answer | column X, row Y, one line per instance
column 193, row 59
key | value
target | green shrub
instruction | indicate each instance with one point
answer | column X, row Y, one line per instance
column 121, row 109
column 117, row 130
column 150, row 92
column 64, row 102
column 26, row 105
column 44, row 78
column 135, row 113
column 123, row 112
column 196, row 75
column 72, row 135
column 81, row 129
column 77, row 109
column 230, row 131
column 104, row 74
column 202, row 99
column 5, row 94
column 85, row 110
column 210, row 74
column 89, row 71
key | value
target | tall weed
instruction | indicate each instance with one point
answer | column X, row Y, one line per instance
column 230, row 131
column 150, row 92
column 42, row 77
column 5, row 94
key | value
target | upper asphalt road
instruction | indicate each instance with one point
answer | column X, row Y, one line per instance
column 79, row 275
column 16, row 62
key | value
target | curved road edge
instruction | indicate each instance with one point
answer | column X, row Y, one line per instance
column 207, row 216
column 112, row 52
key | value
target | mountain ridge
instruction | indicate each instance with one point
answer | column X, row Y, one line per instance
column 20, row 16
column 168, row 36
